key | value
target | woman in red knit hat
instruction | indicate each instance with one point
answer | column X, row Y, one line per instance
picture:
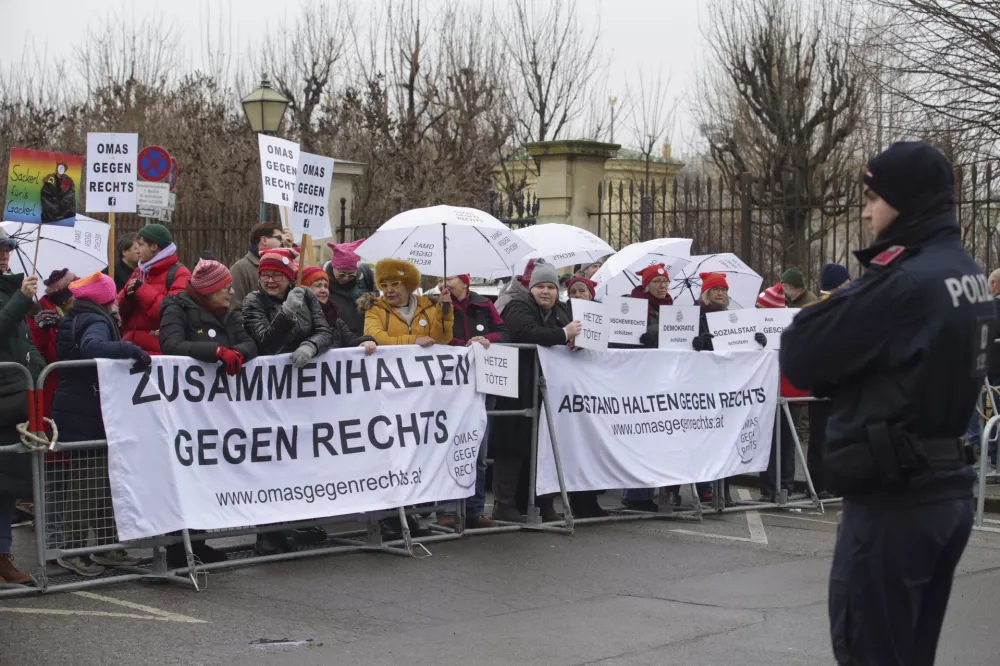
column 317, row 279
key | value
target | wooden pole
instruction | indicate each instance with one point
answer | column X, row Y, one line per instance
column 38, row 244
column 305, row 256
column 111, row 245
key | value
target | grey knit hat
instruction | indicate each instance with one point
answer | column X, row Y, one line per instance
column 544, row 272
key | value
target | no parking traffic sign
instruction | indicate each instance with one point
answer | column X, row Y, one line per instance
column 154, row 164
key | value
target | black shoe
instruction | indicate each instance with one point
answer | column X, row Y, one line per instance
column 391, row 528
column 176, row 557
column 416, row 529
column 648, row 506
column 825, row 495
column 309, row 535
column 274, row 543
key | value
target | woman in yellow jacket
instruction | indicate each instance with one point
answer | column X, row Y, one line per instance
column 399, row 316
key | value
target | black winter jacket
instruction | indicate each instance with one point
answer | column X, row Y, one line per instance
column 87, row 331
column 342, row 335
column 526, row 323
column 15, row 347
column 188, row 329
column 346, row 296
column 276, row 333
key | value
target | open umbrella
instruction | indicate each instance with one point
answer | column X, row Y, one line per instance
column 618, row 274
column 447, row 240
column 82, row 248
column 558, row 244
column 744, row 283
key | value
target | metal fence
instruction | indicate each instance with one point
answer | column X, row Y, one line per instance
column 771, row 225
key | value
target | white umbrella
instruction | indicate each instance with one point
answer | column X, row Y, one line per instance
column 618, row 274
column 744, row 283
column 447, row 240
column 82, row 248
column 560, row 245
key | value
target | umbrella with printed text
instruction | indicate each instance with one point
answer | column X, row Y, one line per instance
column 744, row 283
column 560, row 245
column 447, row 240
column 82, row 248
column 617, row 277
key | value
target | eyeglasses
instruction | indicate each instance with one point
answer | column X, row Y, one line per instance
column 271, row 277
column 350, row 275
column 278, row 237
column 384, row 286
column 658, row 281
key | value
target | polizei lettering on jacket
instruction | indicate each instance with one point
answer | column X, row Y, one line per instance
column 973, row 288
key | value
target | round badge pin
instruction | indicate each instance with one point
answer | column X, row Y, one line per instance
column 422, row 322
column 479, row 327
column 212, row 333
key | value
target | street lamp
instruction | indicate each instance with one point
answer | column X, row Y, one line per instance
column 264, row 109
column 612, row 101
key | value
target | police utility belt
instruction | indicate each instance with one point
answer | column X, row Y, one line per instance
column 890, row 457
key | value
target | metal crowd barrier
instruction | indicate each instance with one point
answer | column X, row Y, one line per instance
column 987, row 432
column 74, row 514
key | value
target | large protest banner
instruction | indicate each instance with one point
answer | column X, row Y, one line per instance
column 627, row 419
column 189, row 446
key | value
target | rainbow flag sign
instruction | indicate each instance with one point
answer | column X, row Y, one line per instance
column 42, row 188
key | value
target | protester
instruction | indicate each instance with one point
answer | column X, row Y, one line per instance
column 774, row 297
column 534, row 317
column 127, row 253
column 316, row 279
column 263, row 236
column 832, row 277
column 517, row 285
column 581, row 288
column 794, row 285
column 592, row 269
column 90, row 330
column 158, row 274
column 399, row 316
column 16, row 294
column 43, row 324
column 974, row 434
column 349, row 281
column 476, row 322
column 281, row 319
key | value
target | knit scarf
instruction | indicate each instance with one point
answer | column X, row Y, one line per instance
column 654, row 302
column 144, row 267
column 203, row 302
column 407, row 311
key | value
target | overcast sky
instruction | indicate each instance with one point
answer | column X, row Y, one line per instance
column 652, row 34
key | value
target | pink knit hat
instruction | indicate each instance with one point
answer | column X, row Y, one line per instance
column 344, row 258
column 772, row 297
column 210, row 276
column 280, row 260
column 96, row 287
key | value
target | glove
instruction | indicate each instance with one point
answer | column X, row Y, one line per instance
column 761, row 339
column 231, row 358
column 294, row 302
column 702, row 342
column 46, row 319
column 303, row 354
column 142, row 360
column 131, row 288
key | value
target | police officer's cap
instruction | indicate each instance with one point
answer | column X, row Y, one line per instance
column 907, row 172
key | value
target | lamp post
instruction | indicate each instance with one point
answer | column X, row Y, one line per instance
column 612, row 101
column 264, row 109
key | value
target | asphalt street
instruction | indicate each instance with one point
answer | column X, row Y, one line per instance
column 733, row 589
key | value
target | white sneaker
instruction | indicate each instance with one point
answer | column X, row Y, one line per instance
column 115, row 558
column 80, row 566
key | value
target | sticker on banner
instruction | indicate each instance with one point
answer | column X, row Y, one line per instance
column 594, row 324
column 773, row 321
column 679, row 326
column 627, row 320
column 734, row 329
column 496, row 370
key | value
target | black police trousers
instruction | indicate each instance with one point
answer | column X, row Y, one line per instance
column 891, row 579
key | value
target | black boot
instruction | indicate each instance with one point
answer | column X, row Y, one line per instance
column 547, row 506
column 505, row 477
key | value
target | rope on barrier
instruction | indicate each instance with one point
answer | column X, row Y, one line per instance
column 36, row 443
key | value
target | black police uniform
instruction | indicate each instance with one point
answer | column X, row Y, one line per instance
column 902, row 353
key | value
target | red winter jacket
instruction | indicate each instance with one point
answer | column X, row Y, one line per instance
column 141, row 313
column 45, row 343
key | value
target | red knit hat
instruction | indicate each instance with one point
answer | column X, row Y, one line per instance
column 96, row 287
column 772, row 297
column 464, row 277
column 710, row 280
column 650, row 273
column 312, row 273
column 590, row 284
column 209, row 277
column 280, row 260
column 529, row 268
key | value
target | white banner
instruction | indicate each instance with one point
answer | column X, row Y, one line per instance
column 189, row 446
column 279, row 169
column 773, row 321
column 679, row 326
column 627, row 318
column 593, row 322
column 733, row 329
column 642, row 419
column 111, row 172
column 310, row 212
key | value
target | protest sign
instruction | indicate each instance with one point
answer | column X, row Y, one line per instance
column 773, row 321
column 733, row 329
column 111, row 172
column 42, row 188
column 594, row 331
column 626, row 319
column 659, row 418
column 496, row 370
column 279, row 168
column 310, row 211
column 152, row 195
column 679, row 325
column 191, row 447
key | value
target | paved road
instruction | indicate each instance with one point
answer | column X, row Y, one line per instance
column 651, row 592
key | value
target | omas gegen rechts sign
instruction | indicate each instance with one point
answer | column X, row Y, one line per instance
column 111, row 172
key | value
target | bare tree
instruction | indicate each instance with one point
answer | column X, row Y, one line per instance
column 650, row 114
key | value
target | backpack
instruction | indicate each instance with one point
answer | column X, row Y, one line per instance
column 171, row 274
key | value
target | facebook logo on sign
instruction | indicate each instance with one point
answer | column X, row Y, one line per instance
column 112, row 201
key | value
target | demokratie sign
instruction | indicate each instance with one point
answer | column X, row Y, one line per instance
column 191, row 447
column 628, row 419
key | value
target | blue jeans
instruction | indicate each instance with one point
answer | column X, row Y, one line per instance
column 7, row 506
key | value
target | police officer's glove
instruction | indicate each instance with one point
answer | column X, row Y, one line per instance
column 142, row 360
column 294, row 302
column 702, row 342
column 304, row 354
column 761, row 339
column 46, row 319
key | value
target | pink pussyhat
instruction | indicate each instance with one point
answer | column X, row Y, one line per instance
column 344, row 258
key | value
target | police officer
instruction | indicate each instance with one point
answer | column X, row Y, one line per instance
column 902, row 353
